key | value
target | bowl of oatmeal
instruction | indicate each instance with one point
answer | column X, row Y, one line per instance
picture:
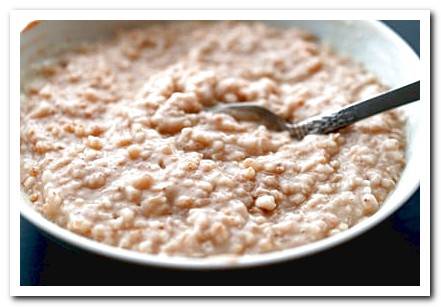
column 120, row 156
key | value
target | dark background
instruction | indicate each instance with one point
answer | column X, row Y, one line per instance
column 389, row 254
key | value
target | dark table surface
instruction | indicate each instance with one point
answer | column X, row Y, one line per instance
column 389, row 254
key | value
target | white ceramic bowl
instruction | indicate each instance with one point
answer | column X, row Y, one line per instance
column 370, row 42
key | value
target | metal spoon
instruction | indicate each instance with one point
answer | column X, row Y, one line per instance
column 324, row 123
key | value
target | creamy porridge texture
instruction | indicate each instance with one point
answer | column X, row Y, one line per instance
column 117, row 145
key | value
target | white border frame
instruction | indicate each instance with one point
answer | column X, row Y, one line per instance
column 20, row 18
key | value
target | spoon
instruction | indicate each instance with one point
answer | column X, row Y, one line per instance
column 324, row 123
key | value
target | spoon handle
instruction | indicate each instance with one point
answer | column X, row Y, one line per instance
column 322, row 124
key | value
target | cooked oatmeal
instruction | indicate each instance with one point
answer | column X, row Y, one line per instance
column 117, row 145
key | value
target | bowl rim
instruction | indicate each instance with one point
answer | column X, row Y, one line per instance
column 226, row 261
